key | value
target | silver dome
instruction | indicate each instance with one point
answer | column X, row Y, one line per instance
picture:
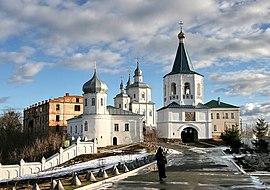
column 95, row 85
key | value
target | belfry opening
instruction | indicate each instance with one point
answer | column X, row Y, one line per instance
column 189, row 134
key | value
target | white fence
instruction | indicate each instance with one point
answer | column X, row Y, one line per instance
column 26, row 168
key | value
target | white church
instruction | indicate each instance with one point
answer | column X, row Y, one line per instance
column 133, row 112
column 183, row 117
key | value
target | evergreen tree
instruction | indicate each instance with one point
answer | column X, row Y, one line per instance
column 260, row 131
column 232, row 138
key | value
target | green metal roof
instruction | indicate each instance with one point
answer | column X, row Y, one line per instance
column 117, row 111
column 176, row 105
column 219, row 104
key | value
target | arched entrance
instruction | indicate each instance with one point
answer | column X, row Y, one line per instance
column 189, row 134
column 114, row 141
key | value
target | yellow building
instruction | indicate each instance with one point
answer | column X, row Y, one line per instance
column 223, row 116
column 52, row 114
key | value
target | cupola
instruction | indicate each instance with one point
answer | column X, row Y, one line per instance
column 95, row 85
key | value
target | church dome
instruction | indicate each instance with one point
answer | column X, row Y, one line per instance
column 95, row 85
column 138, row 71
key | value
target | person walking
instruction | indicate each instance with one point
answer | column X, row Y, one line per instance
column 161, row 161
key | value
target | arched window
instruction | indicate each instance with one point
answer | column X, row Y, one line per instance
column 93, row 102
column 173, row 88
column 198, row 89
column 85, row 126
column 101, row 101
column 187, row 88
column 143, row 95
column 165, row 94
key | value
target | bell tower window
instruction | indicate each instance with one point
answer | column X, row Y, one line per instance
column 101, row 101
column 187, row 88
column 199, row 89
column 173, row 89
column 93, row 101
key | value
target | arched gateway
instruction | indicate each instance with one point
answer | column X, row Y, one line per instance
column 189, row 134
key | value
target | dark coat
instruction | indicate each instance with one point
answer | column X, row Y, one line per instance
column 161, row 161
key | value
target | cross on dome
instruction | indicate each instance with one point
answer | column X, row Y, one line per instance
column 181, row 35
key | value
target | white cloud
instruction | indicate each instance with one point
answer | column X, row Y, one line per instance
column 16, row 57
column 251, row 112
column 243, row 83
column 227, row 30
column 24, row 73
column 106, row 61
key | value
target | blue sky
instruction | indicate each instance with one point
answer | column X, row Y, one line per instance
column 47, row 48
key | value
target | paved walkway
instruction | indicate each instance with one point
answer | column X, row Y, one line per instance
column 193, row 168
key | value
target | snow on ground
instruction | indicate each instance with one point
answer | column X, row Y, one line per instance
column 93, row 165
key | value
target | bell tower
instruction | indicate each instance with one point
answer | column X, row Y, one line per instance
column 183, row 85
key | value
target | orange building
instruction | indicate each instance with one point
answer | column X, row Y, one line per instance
column 52, row 114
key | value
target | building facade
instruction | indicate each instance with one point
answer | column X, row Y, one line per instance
column 183, row 117
column 223, row 116
column 52, row 114
column 137, row 99
column 106, row 125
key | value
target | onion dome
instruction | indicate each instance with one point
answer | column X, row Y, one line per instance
column 138, row 71
column 95, row 85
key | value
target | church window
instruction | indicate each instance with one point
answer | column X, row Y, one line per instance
column 126, row 127
column 143, row 95
column 150, row 113
column 125, row 105
column 85, row 126
column 77, row 108
column 232, row 115
column 212, row 116
column 173, row 88
column 116, row 127
column 57, row 117
column 57, row 107
column 119, row 105
column 165, row 94
column 70, row 129
column 199, row 89
column 101, row 101
column 226, row 116
column 85, row 101
column 215, row 128
column 134, row 95
column 218, row 116
column 187, row 88
column 93, row 102
column 76, row 129
column 189, row 116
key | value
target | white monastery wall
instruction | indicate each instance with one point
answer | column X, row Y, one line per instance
column 26, row 168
